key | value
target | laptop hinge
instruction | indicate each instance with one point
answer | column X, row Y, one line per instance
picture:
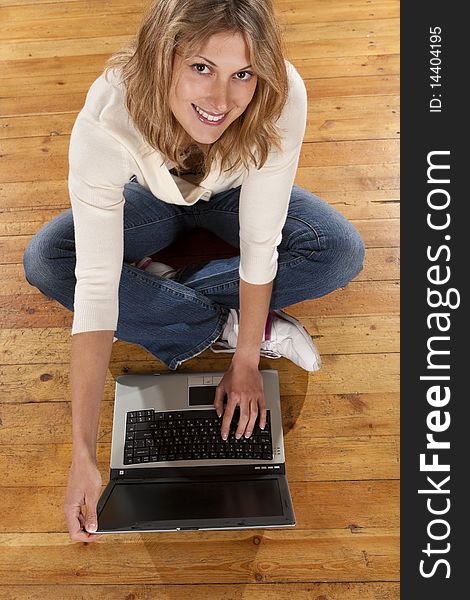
column 198, row 471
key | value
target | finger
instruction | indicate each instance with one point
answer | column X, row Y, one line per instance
column 219, row 399
column 244, row 417
column 81, row 518
column 253, row 416
column 229, row 410
column 77, row 534
column 91, row 520
column 262, row 415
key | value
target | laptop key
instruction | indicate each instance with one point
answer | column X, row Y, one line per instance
column 141, row 452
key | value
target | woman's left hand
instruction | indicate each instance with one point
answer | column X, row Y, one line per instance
column 243, row 384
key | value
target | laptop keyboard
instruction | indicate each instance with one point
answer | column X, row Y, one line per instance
column 191, row 435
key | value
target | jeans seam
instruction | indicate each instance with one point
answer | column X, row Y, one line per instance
column 146, row 223
column 320, row 237
column 204, row 345
column 168, row 284
column 220, row 286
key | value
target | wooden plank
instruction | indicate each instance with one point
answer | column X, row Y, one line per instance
column 296, row 33
column 353, row 118
column 357, row 298
column 333, row 335
column 354, row 177
column 364, row 164
column 376, row 233
column 382, row 85
column 302, row 12
column 287, row 11
column 338, row 415
column 340, row 422
column 28, row 134
column 308, row 67
column 351, row 38
column 249, row 591
column 19, row 4
column 382, row 233
column 353, row 204
column 331, row 48
column 25, row 12
column 208, row 557
column 363, row 204
column 348, row 153
column 38, row 28
column 363, row 334
column 381, row 264
column 370, row 504
column 308, row 459
column 329, row 119
column 340, row 373
column 78, row 83
column 330, row 180
column 360, row 299
column 338, row 66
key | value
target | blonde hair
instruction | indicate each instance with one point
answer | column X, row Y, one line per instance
column 145, row 66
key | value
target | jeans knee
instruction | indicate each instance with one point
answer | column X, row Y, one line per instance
column 351, row 252
column 35, row 263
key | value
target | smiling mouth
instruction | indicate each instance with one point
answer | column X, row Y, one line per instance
column 207, row 121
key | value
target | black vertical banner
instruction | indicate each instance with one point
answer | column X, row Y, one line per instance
column 435, row 256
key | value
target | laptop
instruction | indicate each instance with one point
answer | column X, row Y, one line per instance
column 170, row 469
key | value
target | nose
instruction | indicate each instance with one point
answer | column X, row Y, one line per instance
column 218, row 99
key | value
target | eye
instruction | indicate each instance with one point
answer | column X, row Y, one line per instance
column 249, row 73
column 204, row 66
column 199, row 65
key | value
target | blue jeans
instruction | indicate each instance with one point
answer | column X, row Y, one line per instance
column 177, row 319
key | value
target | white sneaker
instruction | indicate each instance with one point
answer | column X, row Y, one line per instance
column 148, row 264
column 283, row 336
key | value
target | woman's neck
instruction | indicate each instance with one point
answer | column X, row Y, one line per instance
column 203, row 147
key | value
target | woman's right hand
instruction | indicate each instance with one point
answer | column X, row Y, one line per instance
column 81, row 499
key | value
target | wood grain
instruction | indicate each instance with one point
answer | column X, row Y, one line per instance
column 353, row 505
column 340, row 373
column 299, row 591
column 341, row 424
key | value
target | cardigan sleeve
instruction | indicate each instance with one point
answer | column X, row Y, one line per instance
column 96, row 179
column 265, row 192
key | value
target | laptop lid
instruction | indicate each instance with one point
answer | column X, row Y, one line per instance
column 206, row 494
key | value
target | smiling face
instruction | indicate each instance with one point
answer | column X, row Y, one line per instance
column 220, row 85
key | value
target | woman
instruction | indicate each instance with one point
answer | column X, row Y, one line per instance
column 199, row 123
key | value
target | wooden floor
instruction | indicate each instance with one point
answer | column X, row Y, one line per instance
column 341, row 424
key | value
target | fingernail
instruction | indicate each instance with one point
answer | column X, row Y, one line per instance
column 224, row 436
column 92, row 527
column 238, row 436
column 218, row 413
column 247, row 434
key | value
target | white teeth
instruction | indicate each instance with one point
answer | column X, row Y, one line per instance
column 206, row 116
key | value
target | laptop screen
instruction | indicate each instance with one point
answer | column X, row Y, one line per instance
column 132, row 503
